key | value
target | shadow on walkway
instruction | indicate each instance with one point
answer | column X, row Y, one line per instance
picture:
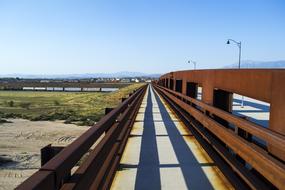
column 148, row 172
column 148, row 176
column 194, row 176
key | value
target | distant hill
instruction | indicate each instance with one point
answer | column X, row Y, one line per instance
column 123, row 74
column 259, row 64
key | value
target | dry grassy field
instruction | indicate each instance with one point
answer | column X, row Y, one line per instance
column 21, row 139
column 81, row 108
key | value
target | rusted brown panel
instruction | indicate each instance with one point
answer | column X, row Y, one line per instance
column 208, row 87
column 237, row 167
column 272, row 137
column 206, row 80
column 277, row 110
column 184, row 85
column 254, row 83
column 191, row 75
column 249, row 82
column 271, row 168
column 262, row 84
column 174, row 84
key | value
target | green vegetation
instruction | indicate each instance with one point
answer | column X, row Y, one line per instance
column 9, row 103
column 3, row 121
column 73, row 107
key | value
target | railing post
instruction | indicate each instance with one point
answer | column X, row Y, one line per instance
column 208, row 88
column 277, row 110
column 108, row 110
column 48, row 152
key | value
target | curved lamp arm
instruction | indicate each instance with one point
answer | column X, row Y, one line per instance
column 237, row 43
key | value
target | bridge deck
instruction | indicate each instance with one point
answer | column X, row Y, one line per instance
column 161, row 153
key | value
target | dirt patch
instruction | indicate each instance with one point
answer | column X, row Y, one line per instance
column 20, row 144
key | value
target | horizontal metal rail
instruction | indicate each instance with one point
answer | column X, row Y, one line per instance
column 92, row 173
column 55, row 173
column 276, row 139
column 220, row 154
column 219, row 86
column 268, row 166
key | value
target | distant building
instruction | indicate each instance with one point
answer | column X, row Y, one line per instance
column 109, row 89
column 125, row 80
column 72, row 89
column 49, row 88
column 40, row 88
column 28, row 88
column 100, row 80
column 91, row 89
column 44, row 81
column 58, row 89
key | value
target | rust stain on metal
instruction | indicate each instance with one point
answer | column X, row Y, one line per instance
column 267, row 165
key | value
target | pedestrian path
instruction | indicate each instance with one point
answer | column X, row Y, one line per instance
column 161, row 153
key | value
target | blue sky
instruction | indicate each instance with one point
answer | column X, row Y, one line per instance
column 67, row 36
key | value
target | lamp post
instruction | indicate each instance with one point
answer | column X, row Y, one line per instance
column 239, row 47
column 194, row 63
column 239, row 57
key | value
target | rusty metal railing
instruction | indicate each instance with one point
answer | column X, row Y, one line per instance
column 270, row 167
column 97, row 170
column 219, row 85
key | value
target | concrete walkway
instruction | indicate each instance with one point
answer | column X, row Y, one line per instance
column 161, row 153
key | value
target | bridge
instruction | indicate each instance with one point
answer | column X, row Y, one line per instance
column 179, row 132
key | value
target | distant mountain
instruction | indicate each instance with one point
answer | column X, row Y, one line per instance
column 259, row 64
column 123, row 74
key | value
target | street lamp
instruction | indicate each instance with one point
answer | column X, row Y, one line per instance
column 239, row 47
column 239, row 57
column 194, row 63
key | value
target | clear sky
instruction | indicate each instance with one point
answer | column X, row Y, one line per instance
column 67, row 36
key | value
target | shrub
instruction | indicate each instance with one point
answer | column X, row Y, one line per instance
column 4, row 121
column 9, row 115
column 56, row 103
column 25, row 105
column 88, row 122
column 42, row 117
column 10, row 103
column 71, row 119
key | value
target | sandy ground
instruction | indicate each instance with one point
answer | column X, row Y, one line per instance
column 20, row 144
